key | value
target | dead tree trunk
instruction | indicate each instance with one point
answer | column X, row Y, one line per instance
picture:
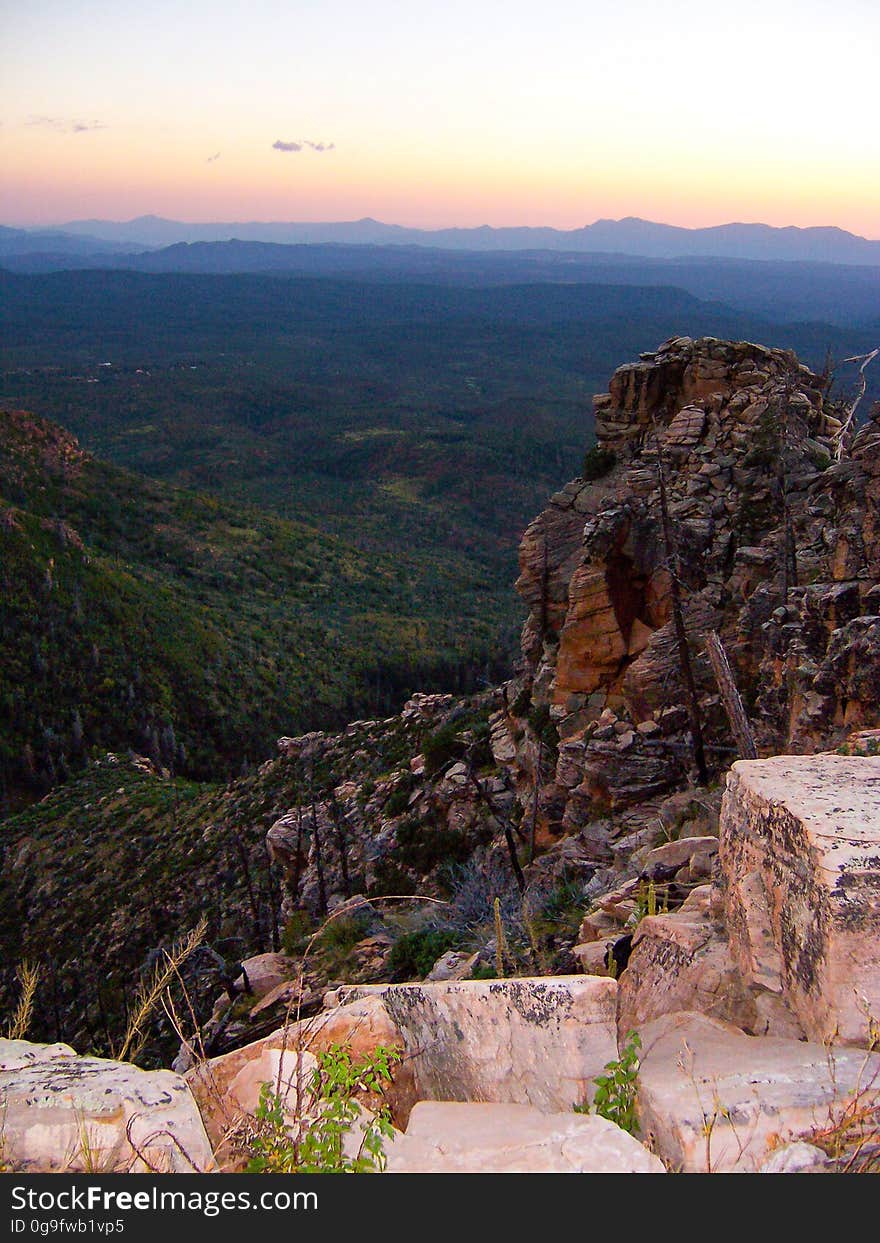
column 730, row 697
column 242, row 853
column 684, row 655
column 319, row 863
column 505, row 822
column 545, row 590
column 789, row 544
column 341, row 844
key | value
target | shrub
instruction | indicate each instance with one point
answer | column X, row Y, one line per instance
column 441, row 747
column 597, row 463
column 421, row 845
column 296, row 932
column 398, row 800
column 317, row 1146
column 522, row 703
column 413, row 956
column 540, row 720
column 390, row 878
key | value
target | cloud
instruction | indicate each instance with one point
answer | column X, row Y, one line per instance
column 212, row 158
column 63, row 125
column 279, row 145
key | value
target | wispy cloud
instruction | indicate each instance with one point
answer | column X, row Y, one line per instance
column 212, row 158
column 301, row 144
column 64, row 125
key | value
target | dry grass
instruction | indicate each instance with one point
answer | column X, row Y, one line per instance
column 154, row 988
column 28, row 977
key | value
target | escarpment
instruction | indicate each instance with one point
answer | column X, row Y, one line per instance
column 774, row 547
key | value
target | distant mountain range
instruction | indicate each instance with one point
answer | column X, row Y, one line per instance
column 630, row 236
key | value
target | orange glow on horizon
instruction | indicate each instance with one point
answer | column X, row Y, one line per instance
column 52, row 177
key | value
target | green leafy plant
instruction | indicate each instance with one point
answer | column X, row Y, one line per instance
column 414, row 954
column 314, row 1142
column 615, row 1095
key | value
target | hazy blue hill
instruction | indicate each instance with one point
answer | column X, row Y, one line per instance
column 15, row 243
column 630, row 235
column 779, row 291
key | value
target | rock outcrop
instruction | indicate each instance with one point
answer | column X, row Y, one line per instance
column 800, row 854
column 467, row 1138
column 535, row 1042
column 63, row 1113
column 538, row 1042
column 776, row 550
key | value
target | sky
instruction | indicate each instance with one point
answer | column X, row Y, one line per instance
column 495, row 112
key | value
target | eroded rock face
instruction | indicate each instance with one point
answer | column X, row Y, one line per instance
column 713, row 1100
column 394, row 834
column 467, row 1138
column 778, row 553
column 800, row 854
column 61, row 1112
column 523, row 1041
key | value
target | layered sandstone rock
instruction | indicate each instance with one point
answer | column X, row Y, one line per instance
column 682, row 961
column 777, row 551
column 61, row 1112
column 800, row 854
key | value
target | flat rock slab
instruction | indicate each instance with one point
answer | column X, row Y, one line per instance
column 534, row 1041
column 63, row 1112
column 458, row 1137
column 712, row 1099
column 800, row 855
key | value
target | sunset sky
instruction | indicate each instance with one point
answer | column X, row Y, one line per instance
column 434, row 114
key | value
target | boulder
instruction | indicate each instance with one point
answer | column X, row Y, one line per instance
column 61, row 1112
column 453, row 965
column 712, row 1099
column 682, row 961
column 264, row 972
column 526, row 1041
column 664, row 861
column 288, row 1071
column 457, row 1137
column 800, row 855
column 592, row 957
column 796, row 1158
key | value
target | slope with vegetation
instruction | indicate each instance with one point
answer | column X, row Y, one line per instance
column 193, row 630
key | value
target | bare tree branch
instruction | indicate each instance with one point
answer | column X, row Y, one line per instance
column 844, row 433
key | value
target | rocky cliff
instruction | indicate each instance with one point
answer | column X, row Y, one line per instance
column 774, row 545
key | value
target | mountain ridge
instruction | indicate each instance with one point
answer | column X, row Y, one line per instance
column 629, row 235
